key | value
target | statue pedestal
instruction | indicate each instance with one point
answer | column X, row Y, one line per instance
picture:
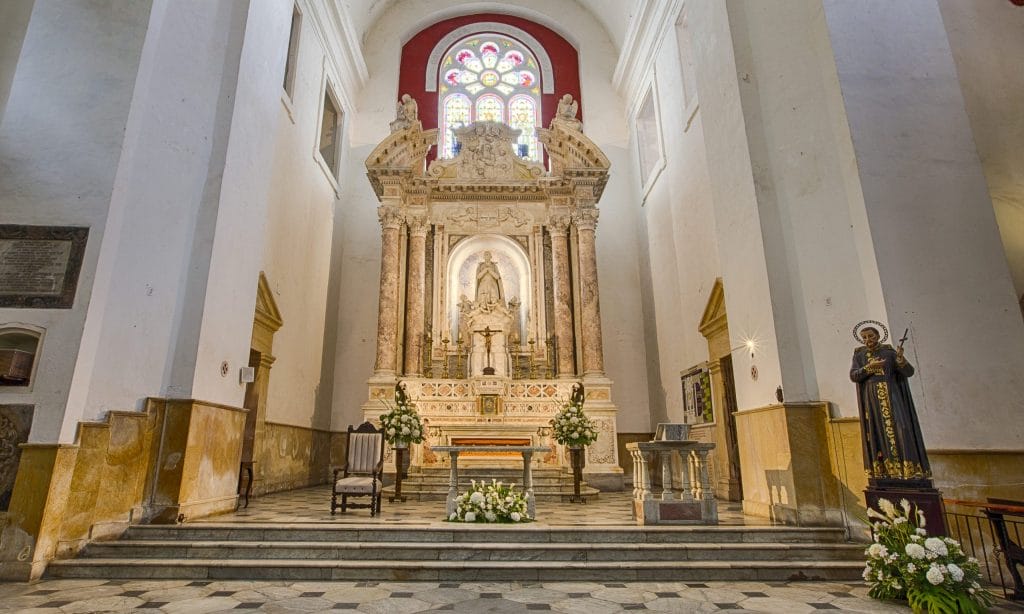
column 921, row 495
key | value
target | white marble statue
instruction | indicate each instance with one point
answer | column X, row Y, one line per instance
column 488, row 282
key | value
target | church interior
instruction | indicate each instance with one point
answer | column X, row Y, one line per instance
column 229, row 230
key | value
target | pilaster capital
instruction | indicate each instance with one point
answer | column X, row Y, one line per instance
column 586, row 218
column 418, row 225
column 559, row 223
column 390, row 217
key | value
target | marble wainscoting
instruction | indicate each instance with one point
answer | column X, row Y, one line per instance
column 974, row 475
column 289, row 457
column 177, row 458
column 786, row 465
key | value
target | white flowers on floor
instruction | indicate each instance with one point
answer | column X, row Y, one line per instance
column 490, row 502
column 932, row 573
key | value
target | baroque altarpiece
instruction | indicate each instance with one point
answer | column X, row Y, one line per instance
column 489, row 305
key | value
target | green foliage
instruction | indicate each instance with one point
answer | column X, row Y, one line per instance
column 932, row 573
column 941, row 600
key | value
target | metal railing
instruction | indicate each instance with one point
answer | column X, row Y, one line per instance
column 974, row 531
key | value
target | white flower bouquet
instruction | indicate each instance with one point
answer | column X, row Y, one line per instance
column 490, row 502
column 572, row 427
column 401, row 424
column 932, row 573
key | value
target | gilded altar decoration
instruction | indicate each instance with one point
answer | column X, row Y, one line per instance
column 893, row 445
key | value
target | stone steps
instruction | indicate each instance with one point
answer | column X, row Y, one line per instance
column 459, row 571
column 469, row 551
column 438, row 551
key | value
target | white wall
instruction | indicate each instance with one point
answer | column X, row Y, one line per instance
column 942, row 268
column 618, row 257
column 300, row 226
column 680, row 240
column 60, row 145
column 987, row 40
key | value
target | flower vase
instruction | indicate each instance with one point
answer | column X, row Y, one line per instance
column 578, row 460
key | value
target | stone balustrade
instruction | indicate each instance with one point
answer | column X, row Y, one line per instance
column 684, row 463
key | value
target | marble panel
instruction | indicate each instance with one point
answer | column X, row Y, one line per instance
column 15, row 422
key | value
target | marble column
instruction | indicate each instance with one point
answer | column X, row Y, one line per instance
column 418, row 227
column 387, row 316
column 585, row 220
column 557, row 226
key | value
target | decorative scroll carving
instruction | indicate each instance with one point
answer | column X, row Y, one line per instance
column 486, row 154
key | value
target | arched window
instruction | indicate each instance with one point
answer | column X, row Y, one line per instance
column 454, row 113
column 489, row 77
column 18, row 349
column 524, row 115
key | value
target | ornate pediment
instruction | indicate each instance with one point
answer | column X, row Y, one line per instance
column 400, row 154
column 486, row 154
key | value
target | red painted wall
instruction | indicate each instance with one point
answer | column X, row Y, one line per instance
column 413, row 70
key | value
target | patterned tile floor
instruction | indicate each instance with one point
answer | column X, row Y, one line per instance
column 311, row 505
column 175, row 596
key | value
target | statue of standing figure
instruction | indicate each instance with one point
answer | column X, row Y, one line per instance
column 893, row 445
column 488, row 282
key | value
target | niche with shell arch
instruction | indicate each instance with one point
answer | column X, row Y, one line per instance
column 19, row 347
column 513, row 265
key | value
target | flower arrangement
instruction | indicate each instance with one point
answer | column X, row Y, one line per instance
column 401, row 424
column 490, row 502
column 570, row 425
column 932, row 573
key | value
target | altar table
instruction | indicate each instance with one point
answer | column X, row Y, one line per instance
column 526, row 451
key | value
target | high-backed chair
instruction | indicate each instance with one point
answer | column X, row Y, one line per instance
column 363, row 472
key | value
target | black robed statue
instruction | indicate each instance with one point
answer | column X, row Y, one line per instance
column 893, row 446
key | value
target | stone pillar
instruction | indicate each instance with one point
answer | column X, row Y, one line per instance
column 585, row 220
column 387, row 316
column 416, row 271
column 557, row 226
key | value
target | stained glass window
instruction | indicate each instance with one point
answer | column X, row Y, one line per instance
column 490, row 77
column 489, row 108
column 454, row 114
column 522, row 115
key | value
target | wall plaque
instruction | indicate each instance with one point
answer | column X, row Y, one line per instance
column 39, row 265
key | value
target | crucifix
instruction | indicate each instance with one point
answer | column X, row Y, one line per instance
column 488, row 333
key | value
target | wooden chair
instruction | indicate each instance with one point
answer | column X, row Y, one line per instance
column 363, row 472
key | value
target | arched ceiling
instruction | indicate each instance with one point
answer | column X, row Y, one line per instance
column 614, row 15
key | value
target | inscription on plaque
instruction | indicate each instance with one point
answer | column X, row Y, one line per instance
column 39, row 265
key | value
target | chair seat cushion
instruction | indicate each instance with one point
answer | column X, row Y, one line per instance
column 357, row 485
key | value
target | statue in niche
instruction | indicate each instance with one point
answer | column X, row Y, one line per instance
column 488, row 282
column 893, row 445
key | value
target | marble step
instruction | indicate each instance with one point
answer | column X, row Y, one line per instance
column 480, row 533
column 433, row 551
column 414, row 492
column 463, row 571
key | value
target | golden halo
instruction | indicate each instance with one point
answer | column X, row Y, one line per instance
column 864, row 323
